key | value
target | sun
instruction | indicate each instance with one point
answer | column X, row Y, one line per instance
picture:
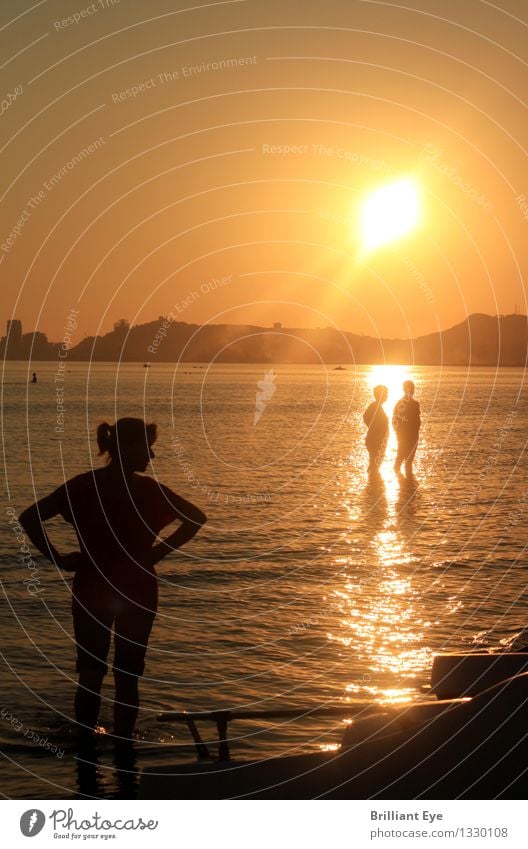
column 389, row 213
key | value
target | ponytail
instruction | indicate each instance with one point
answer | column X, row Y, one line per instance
column 105, row 432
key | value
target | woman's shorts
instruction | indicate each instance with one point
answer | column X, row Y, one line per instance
column 93, row 623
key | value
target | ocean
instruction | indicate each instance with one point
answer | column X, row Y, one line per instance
column 310, row 584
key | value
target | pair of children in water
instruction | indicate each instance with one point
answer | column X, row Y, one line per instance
column 405, row 421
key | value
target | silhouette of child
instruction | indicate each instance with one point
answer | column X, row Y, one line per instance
column 406, row 422
column 377, row 422
column 117, row 515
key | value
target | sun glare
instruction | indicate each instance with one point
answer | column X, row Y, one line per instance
column 389, row 213
column 392, row 377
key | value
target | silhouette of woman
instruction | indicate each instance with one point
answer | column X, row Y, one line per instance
column 377, row 422
column 117, row 514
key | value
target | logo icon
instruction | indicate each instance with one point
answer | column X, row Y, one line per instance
column 267, row 391
column 32, row 822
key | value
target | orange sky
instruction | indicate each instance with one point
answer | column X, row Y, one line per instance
column 253, row 169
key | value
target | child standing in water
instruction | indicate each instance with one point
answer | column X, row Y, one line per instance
column 406, row 421
column 117, row 512
column 377, row 422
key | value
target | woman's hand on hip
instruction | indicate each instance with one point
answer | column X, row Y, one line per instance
column 72, row 561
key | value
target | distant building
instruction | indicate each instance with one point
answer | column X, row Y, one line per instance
column 277, row 325
column 36, row 346
column 14, row 333
column 11, row 345
column 122, row 326
column 35, row 338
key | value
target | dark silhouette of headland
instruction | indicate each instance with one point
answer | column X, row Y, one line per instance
column 480, row 340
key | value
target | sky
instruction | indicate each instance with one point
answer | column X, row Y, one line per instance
column 210, row 160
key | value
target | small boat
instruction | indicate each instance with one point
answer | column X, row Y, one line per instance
column 339, row 368
column 469, row 742
column 146, row 365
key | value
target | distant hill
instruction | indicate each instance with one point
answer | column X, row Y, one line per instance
column 482, row 340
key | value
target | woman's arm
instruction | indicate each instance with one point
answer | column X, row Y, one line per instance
column 191, row 518
column 32, row 519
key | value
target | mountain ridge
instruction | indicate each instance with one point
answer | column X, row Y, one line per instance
column 480, row 339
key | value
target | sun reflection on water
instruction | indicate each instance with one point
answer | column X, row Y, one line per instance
column 381, row 616
column 329, row 747
column 387, row 696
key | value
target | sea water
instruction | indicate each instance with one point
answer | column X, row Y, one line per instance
column 310, row 584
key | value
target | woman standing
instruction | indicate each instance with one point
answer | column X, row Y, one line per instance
column 377, row 422
column 117, row 513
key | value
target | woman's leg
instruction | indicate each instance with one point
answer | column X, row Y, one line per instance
column 88, row 698
column 92, row 628
column 132, row 630
column 126, row 704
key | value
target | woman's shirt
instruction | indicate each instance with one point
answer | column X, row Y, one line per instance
column 117, row 520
